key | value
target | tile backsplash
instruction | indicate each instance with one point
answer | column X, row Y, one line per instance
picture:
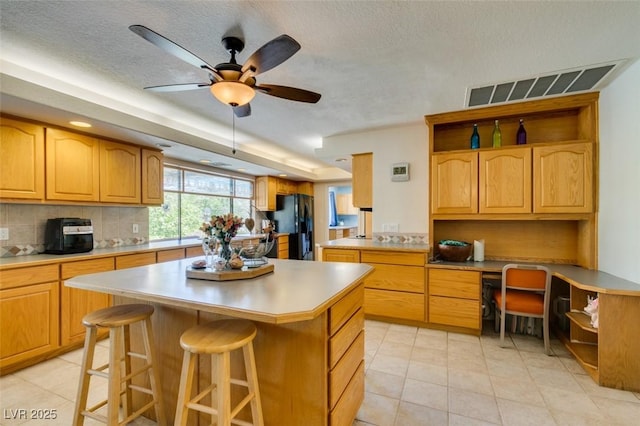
column 112, row 226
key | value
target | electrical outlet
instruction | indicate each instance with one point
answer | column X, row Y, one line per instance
column 392, row 227
column 135, row 228
column 4, row 234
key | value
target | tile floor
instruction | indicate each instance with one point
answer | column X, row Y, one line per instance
column 414, row 376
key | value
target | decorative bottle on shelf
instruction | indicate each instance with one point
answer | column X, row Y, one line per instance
column 521, row 135
column 497, row 136
column 475, row 138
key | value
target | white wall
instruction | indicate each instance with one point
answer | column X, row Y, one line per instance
column 619, row 219
column 402, row 203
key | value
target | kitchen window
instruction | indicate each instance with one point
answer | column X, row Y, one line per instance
column 192, row 197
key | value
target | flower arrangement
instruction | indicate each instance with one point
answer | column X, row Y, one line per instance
column 222, row 228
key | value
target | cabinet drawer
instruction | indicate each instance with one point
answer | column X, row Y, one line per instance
column 194, row 251
column 81, row 267
column 341, row 341
column 25, row 276
column 394, row 304
column 341, row 374
column 454, row 283
column 454, row 311
column 29, row 322
column 396, row 277
column 393, row 258
column 169, row 255
column 340, row 255
column 348, row 405
column 343, row 309
column 132, row 260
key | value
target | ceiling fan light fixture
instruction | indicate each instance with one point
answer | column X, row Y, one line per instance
column 232, row 93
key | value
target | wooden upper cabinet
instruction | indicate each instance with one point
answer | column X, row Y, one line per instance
column 21, row 160
column 344, row 204
column 265, row 193
column 454, row 183
column 73, row 166
column 362, row 180
column 305, row 188
column 563, row 178
column 119, row 173
column 152, row 177
column 505, row 181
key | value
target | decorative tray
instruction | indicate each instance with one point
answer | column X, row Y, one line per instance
column 228, row 274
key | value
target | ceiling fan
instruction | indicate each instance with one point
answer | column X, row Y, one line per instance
column 230, row 82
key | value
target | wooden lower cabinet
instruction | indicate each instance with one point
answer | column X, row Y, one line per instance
column 29, row 315
column 396, row 287
column 283, row 246
column 76, row 303
column 340, row 255
column 173, row 254
column 455, row 298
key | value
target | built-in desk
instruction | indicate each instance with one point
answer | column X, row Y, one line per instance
column 610, row 353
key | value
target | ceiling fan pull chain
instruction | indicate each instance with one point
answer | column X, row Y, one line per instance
column 233, row 121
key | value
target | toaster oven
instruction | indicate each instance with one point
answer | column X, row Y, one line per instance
column 68, row 235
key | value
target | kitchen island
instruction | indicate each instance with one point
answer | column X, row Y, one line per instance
column 310, row 343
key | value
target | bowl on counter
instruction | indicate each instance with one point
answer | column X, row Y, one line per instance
column 454, row 251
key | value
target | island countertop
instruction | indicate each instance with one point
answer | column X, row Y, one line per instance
column 371, row 244
column 296, row 290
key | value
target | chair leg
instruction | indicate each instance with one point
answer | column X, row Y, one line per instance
column 252, row 380
column 87, row 364
column 154, row 373
column 115, row 374
column 502, row 327
column 127, row 400
column 545, row 335
column 184, row 390
column 223, row 385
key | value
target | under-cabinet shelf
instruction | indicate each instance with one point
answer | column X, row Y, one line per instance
column 586, row 353
column 582, row 320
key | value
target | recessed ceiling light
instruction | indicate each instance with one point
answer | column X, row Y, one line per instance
column 163, row 145
column 204, row 161
column 80, row 124
column 282, row 175
column 340, row 160
column 242, row 170
column 220, row 164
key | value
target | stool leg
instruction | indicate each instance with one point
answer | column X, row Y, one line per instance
column 83, row 387
column 115, row 374
column 223, row 385
column 252, row 380
column 184, row 391
column 154, row 374
column 127, row 400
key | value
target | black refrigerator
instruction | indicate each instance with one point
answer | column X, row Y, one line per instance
column 294, row 215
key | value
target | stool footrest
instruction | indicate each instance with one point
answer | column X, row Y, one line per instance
column 138, row 412
column 204, row 393
column 241, row 404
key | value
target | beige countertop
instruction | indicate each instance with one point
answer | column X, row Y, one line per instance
column 296, row 291
column 585, row 279
column 43, row 259
column 369, row 244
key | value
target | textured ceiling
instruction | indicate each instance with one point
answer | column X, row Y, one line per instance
column 376, row 64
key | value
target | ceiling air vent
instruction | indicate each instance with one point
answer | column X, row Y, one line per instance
column 552, row 84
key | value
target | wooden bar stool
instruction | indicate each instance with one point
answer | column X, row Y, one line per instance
column 118, row 319
column 219, row 338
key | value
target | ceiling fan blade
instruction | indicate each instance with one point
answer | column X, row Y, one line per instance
column 290, row 93
column 170, row 47
column 271, row 55
column 242, row 110
column 177, row 87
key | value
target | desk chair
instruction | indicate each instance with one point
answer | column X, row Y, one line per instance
column 525, row 292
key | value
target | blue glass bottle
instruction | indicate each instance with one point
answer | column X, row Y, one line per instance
column 475, row 138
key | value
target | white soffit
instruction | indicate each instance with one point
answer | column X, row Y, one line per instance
column 583, row 79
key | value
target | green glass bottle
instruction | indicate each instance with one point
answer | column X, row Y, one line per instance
column 497, row 136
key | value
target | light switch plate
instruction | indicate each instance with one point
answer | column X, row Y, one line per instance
column 4, row 234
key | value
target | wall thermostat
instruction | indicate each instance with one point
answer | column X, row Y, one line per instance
column 400, row 172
